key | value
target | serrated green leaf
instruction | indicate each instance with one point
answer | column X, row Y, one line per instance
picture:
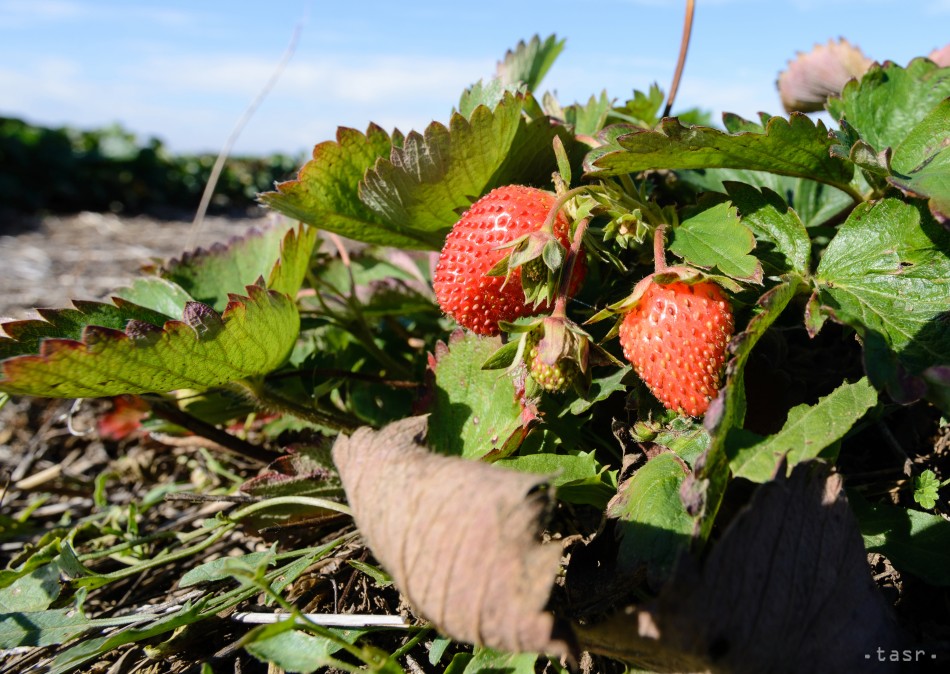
column 652, row 522
column 808, row 430
column 474, row 411
column 578, row 478
column 688, row 443
column 915, row 542
column 600, row 389
column 529, row 62
column 24, row 337
column 589, row 118
column 643, row 109
column 488, row 94
column 254, row 336
column 727, row 411
column 736, row 124
column 814, row 202
column 797, row 147
column 783, row 242
column 887, row 271
column 435, row 176
column 325, row 193
column 280, row 255
column 890, row 100
column 715, row 238
column 158, row 294
column 926, row 489
column 921, row 163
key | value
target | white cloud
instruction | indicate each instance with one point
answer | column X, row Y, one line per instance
column 376, row 79
column 20, row 13
column 195, row 100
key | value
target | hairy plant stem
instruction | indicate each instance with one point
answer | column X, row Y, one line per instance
column 659, row 250
column 172, row 413
column 267, row 398
column 560, row 304
column 681, row 61
column 548, row 225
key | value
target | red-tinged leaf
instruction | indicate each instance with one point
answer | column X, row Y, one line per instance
column 205, row 350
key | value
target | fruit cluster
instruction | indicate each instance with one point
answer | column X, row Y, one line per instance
column 674, row 334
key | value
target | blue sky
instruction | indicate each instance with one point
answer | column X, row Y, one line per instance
column 184, row 71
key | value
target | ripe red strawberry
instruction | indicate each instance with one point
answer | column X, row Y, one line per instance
column 676, row 338
column 464, row 291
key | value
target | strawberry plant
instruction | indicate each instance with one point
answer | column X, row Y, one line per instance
column 432, row 320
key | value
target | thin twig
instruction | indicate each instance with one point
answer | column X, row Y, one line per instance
column 236, row 132
column 681, row 61
column 213, row 498
column 229, row 442
column 325, row 619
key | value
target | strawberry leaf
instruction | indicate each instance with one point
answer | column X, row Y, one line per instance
column 578, row 478
column 25, row 337
column 427, row 182
column 325, row 193
column 703, row 492
column 155, row 292
column 652, row 523
column 529, row 62
column 589, row 118
column 921, row 163
column 205, row 349
column 915, row 541
column 488, row 94
column 474, row 412
column 643, row 109
column 814, row 202
column 281, row 255
column 783, row 242
column 796, row 147
column 807, row 432
column 885, row 275
column 716, row 238
column 889, row 101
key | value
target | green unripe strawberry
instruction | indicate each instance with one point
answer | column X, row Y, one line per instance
column 555, row 378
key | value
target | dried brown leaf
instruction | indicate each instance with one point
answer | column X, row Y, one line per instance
column 811, row 78
column 460, row 538
column 787, row 589
column 941, row 56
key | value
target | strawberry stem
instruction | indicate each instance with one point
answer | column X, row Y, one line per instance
column 560, row 304
column 659, row 252
column 681, row 61
column 562, row 199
